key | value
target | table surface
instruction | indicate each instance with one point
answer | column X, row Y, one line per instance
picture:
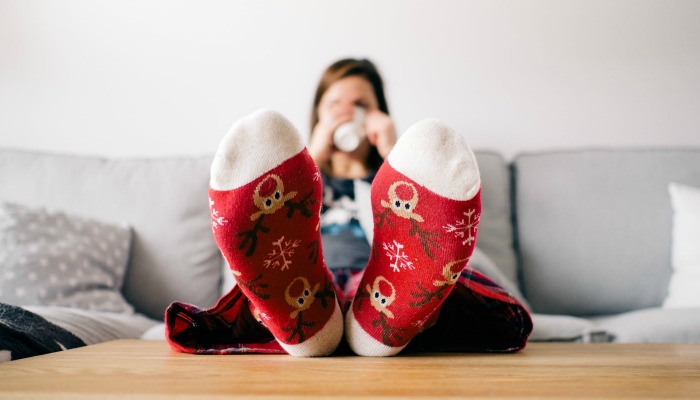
column 150, row 370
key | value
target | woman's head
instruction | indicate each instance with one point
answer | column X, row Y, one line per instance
column 347, row 83
column 350, row 67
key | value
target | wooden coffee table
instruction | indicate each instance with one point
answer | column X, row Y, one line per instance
column 150, row 370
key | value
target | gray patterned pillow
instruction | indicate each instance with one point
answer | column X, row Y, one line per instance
column 52, row 258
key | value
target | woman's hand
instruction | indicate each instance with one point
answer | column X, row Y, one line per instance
column 321, row 143
column 380, row 131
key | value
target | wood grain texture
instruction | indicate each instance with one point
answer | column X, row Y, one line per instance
column 150, row 370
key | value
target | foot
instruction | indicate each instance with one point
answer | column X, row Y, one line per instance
column 426, row 201
column 265, row 200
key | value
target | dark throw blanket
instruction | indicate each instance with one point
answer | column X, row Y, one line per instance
column 25, row 334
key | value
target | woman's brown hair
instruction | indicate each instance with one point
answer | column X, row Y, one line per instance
column 353, row 67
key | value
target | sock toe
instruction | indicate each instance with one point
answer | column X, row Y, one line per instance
column 436, row 156
column 275, row 139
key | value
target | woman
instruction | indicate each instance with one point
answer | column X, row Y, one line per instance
column 345, row 86
column 410, row 289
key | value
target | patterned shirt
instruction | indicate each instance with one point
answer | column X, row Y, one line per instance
column 344, row 242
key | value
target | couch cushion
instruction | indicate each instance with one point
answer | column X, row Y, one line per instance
column 173, row 255
column 51, row 258
column 684, row 289
column 654, row 325
column 594, row 227
column 94, row 327
column 565, row 328
column 495, row 235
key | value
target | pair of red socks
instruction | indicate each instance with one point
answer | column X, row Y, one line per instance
column 265, row 200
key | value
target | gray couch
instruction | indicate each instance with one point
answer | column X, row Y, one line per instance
column 582, row 237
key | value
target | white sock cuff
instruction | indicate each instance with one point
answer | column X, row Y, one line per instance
column 253, row 145
column 439, row 158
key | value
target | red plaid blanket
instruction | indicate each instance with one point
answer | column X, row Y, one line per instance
column 477, row 316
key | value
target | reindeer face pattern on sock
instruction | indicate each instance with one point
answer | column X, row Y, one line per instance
column 403, row 207
column 381, row 294
column 302, row 296
column 272, row 202
column 268, row 200
column 450, row 273
column 403, row 200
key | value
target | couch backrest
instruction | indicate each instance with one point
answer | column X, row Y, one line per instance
column 495, row 235
column 173, row 255
column 594, row 227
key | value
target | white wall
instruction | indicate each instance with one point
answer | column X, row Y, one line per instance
column 163, row 77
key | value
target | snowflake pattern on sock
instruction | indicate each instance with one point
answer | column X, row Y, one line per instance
column 466, row 229
column 216, row 219
column 399, row 260
column 281, row 255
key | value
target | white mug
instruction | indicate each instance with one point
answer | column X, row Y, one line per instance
column 349, row 135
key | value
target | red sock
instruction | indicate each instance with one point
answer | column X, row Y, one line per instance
column 265, row 199
column 426, row 201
